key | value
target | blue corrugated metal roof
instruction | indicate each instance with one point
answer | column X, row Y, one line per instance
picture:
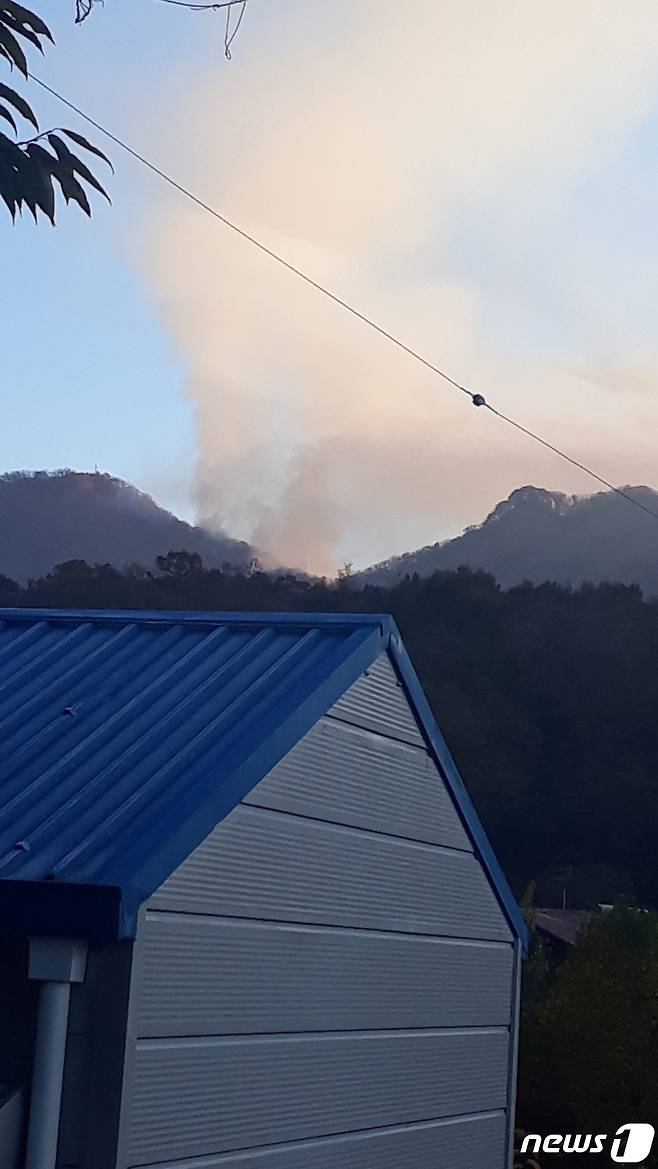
column 125, row 737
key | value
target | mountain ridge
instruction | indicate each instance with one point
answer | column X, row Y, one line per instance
column 50, row 517
column 539, row 535
column 536, row 535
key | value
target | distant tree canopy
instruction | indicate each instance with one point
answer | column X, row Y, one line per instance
column 178, row 566
column 32, row 169
column 546, row 695
column 589, row 1057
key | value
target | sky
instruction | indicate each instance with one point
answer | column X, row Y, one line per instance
column 478, row 176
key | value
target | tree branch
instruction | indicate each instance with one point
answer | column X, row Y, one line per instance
column 202, row 7
column 84, row 7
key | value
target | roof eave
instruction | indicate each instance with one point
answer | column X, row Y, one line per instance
column 203, row 617
column 57, row 909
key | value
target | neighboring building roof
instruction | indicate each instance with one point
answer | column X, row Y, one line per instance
column 125, row 737
column 567, row 925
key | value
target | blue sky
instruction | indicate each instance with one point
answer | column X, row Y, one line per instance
column 483, row 182
column 92, row 377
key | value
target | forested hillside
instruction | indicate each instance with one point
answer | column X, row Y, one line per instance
column 539, row 535
column 534, row 535
column 548, row 698
column 47, row 517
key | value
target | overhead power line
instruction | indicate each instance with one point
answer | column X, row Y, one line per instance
column 476, row 398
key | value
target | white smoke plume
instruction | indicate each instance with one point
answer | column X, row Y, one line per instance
column 361, row 138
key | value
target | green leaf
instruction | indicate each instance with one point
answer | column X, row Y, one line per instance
column 21, row 30
column 25, row 177
column 10, row 151
column 42, row 181
column 71, row 188
column 4, row 113
column 24, row 16
column 19, row 103
column 78, row 138
column 71, row 161
column 12, row 49
column 28, row 195
column 9, row 186
column 20, row 180
column 11, row 204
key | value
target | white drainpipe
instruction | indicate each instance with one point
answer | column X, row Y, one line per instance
column 55, row 963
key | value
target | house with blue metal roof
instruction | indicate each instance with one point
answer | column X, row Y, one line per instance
column 248, row 916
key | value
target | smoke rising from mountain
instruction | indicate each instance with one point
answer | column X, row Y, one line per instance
column 368, row 142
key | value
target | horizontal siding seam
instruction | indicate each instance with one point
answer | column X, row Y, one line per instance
column 395, row 836
column 164, row 1042
column 332, row 925
column 362, row 733
column 390, row 736
column 402, row 841
column 194, row 1038
column 188, row 916
column 410, row 1126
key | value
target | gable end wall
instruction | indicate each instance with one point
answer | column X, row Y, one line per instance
column 328, row 981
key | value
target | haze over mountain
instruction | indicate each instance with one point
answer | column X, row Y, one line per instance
column 47, row 518
column 538, row 535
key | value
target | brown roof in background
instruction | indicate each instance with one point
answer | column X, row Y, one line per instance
column 566, row 924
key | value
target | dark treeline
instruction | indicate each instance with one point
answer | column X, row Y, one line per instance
column 588, row 1057
column 548, row 698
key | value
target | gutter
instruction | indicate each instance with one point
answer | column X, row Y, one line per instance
column 60, row 909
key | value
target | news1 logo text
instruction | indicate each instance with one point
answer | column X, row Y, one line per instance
column 630, row 1145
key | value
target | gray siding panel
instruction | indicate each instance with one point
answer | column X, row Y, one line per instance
column 195, row 1097
column 93, row 1070
column 347, row 775
column 377, row 702
column 272, row 866
column 213, row 976
column 471, row 1142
